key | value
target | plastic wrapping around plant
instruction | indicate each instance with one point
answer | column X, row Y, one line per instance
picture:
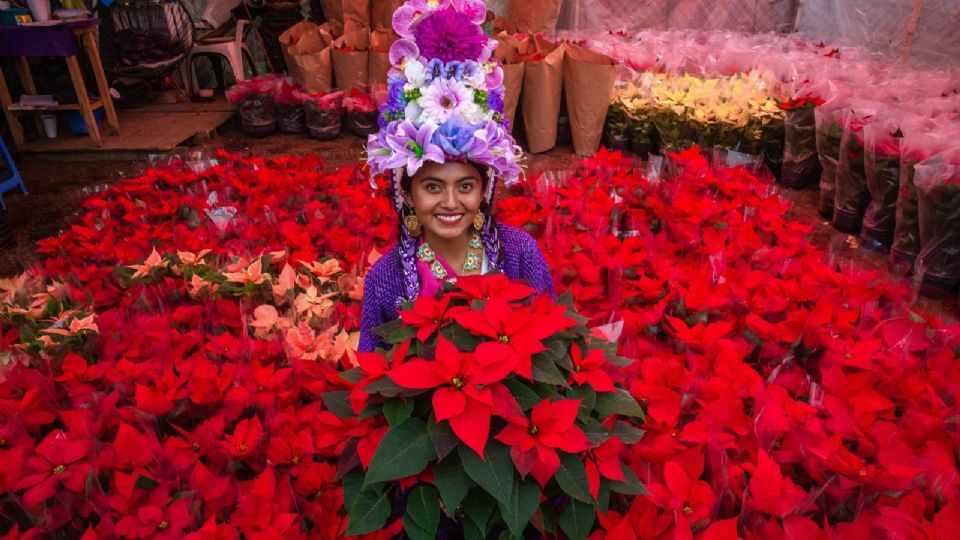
column 938, row 195
column 852, row 196
column 290, row 115
column 147, row 380
column 324, row 113
column 881, row 165
column 360, row 113
column 829, row 138
column 801, row 165
column 923, row 138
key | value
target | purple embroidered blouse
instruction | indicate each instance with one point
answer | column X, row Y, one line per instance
column 384, row 290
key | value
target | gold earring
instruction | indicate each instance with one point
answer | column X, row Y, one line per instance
column 412, row 223
column 479, row 221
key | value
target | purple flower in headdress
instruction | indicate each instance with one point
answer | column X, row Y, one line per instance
column 455, row 137
column 401, row 51
column 411, row 146
column 449, row 35
column 473, row 73
column 436, row 69
column 494, row 75
column 495, row 100
column 395, row 98
column 454, row 70
column 476, row 10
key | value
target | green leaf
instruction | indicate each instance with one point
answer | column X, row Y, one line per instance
column 603, row 496
column 620, row 361
column 495, row 474
column 627, row 433
column 588, row 400
column 369, row 512
column 595, row 431
column 466, row 341
column 442, row 437
column 384, row 387
column 478, row 508
column 577, row 520
column 395, row 332
column 572, row 477
column 619, row 402
column 423, row 513
column 549, row 518
column 566, row 299
column 372, row 411
column 452, row 481
column 404, row 451
column 338, row 403
column 546, row 371
column 352, row 486
column 524, row 499
column 354, row 375
column 145, row 482
column 631, row 486
column 524, row 395
column 397, row 410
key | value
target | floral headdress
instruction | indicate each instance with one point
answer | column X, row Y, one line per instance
column 445, row 93
column 444, row 103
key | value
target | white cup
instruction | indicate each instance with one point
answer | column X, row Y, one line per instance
column 50, row 125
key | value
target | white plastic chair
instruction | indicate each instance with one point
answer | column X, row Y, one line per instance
column 219, row 47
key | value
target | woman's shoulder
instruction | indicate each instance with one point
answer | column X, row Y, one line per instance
column 385, row 271
column 515, row 239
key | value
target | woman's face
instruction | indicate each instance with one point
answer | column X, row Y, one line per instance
column 446, row 198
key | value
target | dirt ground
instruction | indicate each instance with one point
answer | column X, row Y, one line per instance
column 56, row 189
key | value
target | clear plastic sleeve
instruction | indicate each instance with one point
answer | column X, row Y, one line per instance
column 937, row 183
column 852, row 197
column 881, row 166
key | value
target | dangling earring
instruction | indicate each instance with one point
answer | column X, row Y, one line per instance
column 412, row 223
column 479, row 221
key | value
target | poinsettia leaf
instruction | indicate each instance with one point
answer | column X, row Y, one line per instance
column 369, row 512
column 627, row 433
column 620, row 361
column 494, row 474
column 442, row 437
column 524, row 395
column 595, row 431
column 395, row 331
column 338, row 403
column 404, row 451
column 353, row 375
column 384, row 387
column 577, row 519
column 465, row 340
column 352, row 484
column 557, row 349
column 603, row 496
column 397, row 410
column 478, row 508
column 631, row 486
column 452, row 481
column 372, row 411
column 523, row 502
column 145, row 482
column 423, row 513
column 549, row 513
column 566, row 299
column 572, row 477
column 619, row 402
column 349, row 459
column 588, row 400
column 546, row 371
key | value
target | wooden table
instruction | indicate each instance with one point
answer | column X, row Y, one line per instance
column 61, row 41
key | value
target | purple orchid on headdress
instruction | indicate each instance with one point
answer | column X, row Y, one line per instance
column 403, row 144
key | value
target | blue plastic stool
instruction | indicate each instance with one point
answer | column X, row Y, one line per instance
column 10, row 179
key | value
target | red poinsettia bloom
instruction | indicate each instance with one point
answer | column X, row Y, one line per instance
column 513, row 326
column 429, row 315
column 460, row 398
column 589, row 370
column 534, row 442
column 245, row 439
column 56, row 464
column 158, row 519
column 690, row 499
column 486, row 287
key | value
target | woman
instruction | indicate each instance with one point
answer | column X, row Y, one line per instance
column 444, row 144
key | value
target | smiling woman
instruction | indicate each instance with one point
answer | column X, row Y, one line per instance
column 443, row 144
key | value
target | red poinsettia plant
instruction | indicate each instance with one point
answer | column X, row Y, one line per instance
column 499, row 408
